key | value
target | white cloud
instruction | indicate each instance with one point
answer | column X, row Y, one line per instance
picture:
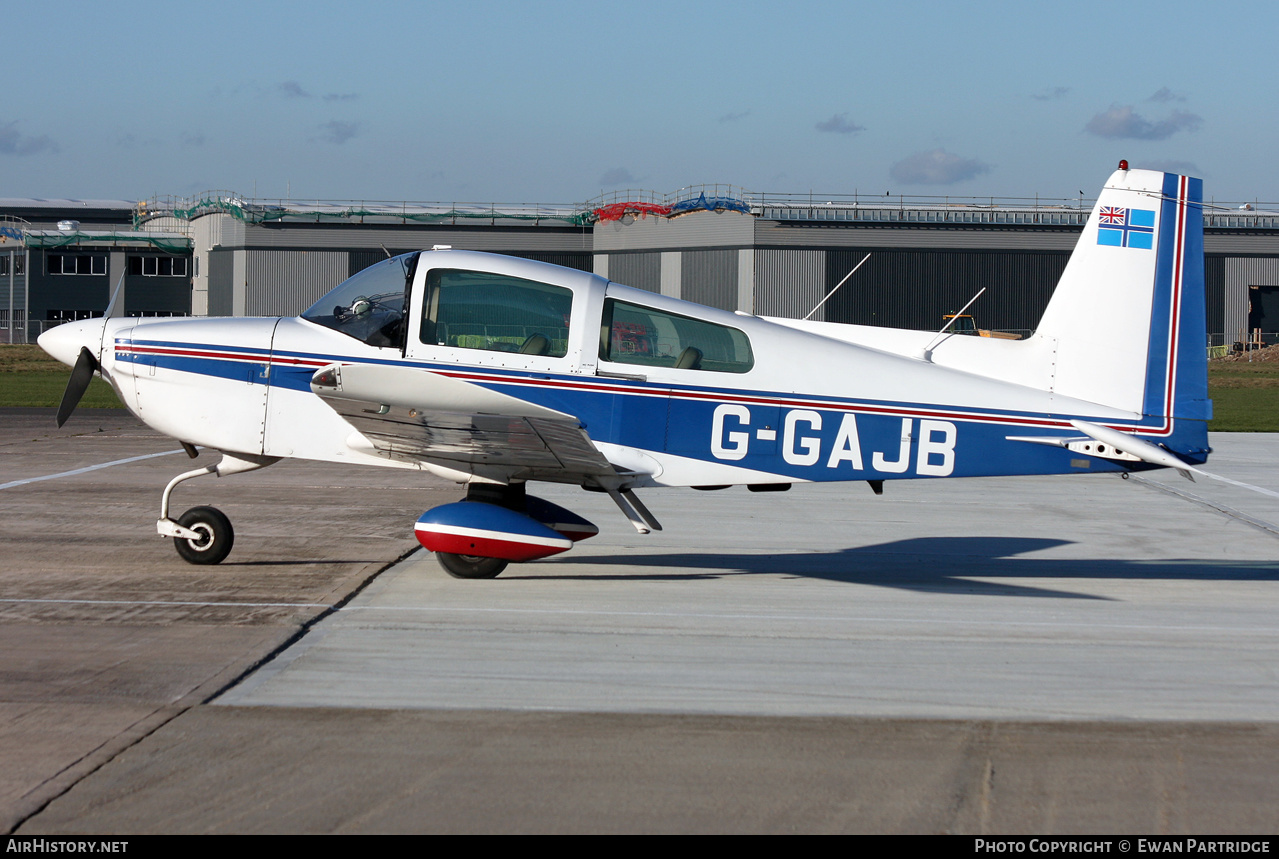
column 293, row 89
column 1051, row 93
column 839, row 124
column 14, row 142
column 1122, row 122
column 338, row 131
column 937, row 167
column 1165, row 95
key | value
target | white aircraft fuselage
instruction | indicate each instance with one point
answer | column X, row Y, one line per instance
column 496, row 371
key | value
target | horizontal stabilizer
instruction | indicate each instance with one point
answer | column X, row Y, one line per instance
column 1138, row 447
column 1084, row 444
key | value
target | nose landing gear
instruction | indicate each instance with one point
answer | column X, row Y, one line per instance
column 203, row 535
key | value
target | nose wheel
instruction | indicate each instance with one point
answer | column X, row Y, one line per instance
column 203, row 535
column 214, row 536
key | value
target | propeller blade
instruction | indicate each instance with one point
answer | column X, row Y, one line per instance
column 85, row 366
column 113, row 306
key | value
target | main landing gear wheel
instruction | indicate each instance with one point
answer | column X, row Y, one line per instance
column 469, row 566
column 216, row 536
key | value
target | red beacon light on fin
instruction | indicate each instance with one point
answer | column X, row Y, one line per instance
column 1123, row 164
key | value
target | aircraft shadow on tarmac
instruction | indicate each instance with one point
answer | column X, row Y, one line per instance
column 930, row 564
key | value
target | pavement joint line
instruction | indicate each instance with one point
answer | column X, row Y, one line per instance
column 172, row 602
column 1260, row 524
column 806, row 618
column 87, row 468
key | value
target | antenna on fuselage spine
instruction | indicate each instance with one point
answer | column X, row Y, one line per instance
column 927, row 354
column 837, row 286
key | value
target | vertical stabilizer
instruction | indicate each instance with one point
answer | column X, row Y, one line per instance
column 1126, row 323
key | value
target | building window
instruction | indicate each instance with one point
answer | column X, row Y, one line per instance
column 93, row 264
column 71, row 315
column 157, row 266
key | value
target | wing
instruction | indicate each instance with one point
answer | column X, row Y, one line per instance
column 415, row 415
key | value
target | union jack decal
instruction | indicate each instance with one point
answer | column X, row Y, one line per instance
column 1113, row 215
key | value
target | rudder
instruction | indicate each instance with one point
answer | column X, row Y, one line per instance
column 1127, row 321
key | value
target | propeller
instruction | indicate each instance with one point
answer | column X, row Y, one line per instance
column 81, row 374
column 87, row 362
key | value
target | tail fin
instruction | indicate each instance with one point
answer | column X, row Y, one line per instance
column 1127, row 319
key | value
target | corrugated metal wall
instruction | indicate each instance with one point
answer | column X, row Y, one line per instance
column 789, row 234
column 1241, row 273
column 284, row 283
column 642, row 271
column 789, row 283
column 358, row 261
column 710, row 278
column 915, row 289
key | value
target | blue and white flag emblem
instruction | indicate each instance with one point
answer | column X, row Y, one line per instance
column 1126, row 228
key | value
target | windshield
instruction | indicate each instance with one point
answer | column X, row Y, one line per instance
column 369, row 305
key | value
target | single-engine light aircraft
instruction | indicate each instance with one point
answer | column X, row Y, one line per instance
column 495, row 372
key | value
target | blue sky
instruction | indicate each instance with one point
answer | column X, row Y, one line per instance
column 558, row 101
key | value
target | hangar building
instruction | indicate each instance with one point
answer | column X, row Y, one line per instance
column 776, row 255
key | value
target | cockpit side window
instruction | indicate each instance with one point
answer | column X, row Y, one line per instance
column 631, row 334
column 495, row 312
column 369, row 305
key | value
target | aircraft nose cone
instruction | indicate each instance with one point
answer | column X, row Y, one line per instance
column 64, row 341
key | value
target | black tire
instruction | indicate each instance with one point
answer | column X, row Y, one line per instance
column 217, row 536
column 470, row 566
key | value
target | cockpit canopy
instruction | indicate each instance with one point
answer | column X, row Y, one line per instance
column 369, row 305
column 488, row 310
